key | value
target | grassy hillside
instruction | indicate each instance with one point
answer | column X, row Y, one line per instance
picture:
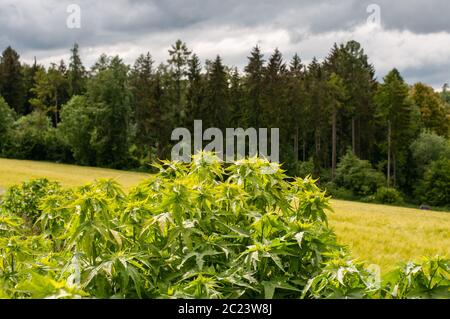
column 378, row 234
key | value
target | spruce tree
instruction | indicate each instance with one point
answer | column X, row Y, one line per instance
column 11, row 80
column 254, row 87
column 217, row 96
column 394, row 109
column 76, row 73
column 142, row 87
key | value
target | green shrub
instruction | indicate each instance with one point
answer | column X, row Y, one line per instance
column 77, row 125
column 23, row 200
column 339, row 192
column 30, row 137
column 6, row 124
column 427, row 148
column 304, row 169
column 387, row 195
column 199, row 230
column 358, row 176
column 429, row 280
column 435, row 187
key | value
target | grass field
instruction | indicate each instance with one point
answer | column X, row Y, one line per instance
column 16, row 171
column 378, row 234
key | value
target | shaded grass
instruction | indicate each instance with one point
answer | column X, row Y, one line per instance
column 377, row 234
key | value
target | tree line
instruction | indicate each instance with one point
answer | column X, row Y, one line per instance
column 121, row 116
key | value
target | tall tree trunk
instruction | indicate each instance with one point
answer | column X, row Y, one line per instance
column 334, row 137
column 296, row 144
column 317, row 162
column 317, row 143
column 389, row 155
column 304, row 149
column 56, row 108
column 394, row 163
column 358, row 139
column 353, row 136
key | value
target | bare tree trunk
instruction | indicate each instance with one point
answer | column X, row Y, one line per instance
column 317, row 143
column 334, row 137
column 304, row 150
column 394, row 169
column 56, row 107
column 358, row 144
column 389, row 155
column 353, row 136
column 296, row 144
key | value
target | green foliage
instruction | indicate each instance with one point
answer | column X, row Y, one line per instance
column 432, row 108
column 50, row 90
column 343, row 278
column 6, row 124
column 23, row 200
column 435, row 187
column 35, row 139
column 77, row 123
column 199, row 230
column 388, row 195
column 118, row 116
column 429, row 279
column 11, row 80
column 358, row 175
column 339, row 192
column 427, row 148
column 109, row 93
column 304, row 169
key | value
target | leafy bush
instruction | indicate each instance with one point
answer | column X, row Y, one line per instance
column 77, row 123
column 358, row 175
column 6, row 123
column 387, row 195
column 31, row 137
column 429, row 279
column 199, row 230
column 339, row 192
column 23, row 200
column 304, row 169
column 343, row 278
column 427, row 148
column 435, row 187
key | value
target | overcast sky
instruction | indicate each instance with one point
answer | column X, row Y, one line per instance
column 413, row 35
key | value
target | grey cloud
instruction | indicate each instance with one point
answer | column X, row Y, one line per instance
column 40, row 25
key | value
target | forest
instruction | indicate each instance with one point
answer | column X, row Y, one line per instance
column 375, row 140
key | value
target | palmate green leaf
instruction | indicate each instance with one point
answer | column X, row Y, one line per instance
column 40, row 287
column 271, row 286
column 199, row 258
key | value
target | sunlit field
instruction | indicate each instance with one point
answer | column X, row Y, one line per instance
column 378, row 234
column 17, row 171
column 386, row 235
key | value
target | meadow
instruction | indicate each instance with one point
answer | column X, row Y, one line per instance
column 378, row 234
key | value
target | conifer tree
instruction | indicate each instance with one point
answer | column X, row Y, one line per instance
column 395, row 111
column 11, row 80
column 254, row 87
column 142, row 87
column 76, row 73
